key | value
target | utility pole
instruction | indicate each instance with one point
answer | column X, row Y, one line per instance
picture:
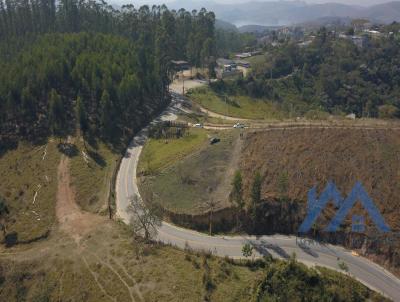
column 183, row 83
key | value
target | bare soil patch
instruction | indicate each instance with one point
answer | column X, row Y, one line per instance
column 71, row 218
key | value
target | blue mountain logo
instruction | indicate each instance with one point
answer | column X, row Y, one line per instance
column 358, row 193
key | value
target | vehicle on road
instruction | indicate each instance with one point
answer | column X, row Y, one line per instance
column 198, row 125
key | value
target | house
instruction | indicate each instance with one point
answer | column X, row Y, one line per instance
column 242, row 63
column 304, row 43
column 227, row 68
column 360, row 41
column 243, row 55
column 373, row 33
column 226, row 64
column 181, row 65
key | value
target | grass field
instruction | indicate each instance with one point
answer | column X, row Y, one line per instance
column 28, row 183
column 187, row 184
column 91, row 171
column 236, row 106
column 256, row 60
column 161, row 153
column 110, row 265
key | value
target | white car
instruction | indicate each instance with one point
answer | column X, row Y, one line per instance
column 198, row 125
column 238, row 126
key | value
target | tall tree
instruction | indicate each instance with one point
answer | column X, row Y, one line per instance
column 56, row 114
column 237, row 194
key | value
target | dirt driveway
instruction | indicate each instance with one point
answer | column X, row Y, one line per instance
column 72, row 220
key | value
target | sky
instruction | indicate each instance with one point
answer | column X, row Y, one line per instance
column 354, row 2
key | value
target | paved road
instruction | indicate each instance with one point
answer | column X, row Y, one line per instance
column 278, row 246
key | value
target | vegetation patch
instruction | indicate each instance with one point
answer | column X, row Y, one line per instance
column 92, row 169
column 160, row 153
column 28, row 185
column 112, row 265
column 236, row 105
column 186, row 185
column 293, row 281
column 291, row 162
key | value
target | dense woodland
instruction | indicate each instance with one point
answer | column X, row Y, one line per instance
column 84, row 65
column 331, row 74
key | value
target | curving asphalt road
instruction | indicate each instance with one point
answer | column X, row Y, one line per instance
column 367, row 272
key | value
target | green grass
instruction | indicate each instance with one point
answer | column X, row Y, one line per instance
column 92, row 179
column 256, row 60
column 245, row 107
column 161, row 153
column 23, row 172
column 184, row 186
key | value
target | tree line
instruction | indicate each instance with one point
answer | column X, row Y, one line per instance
column 178, row 34
column 84, row 65
column 331, row 74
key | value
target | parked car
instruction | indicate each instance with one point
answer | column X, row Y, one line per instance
column 198, row 125
column 214, row 140
column 238, row 126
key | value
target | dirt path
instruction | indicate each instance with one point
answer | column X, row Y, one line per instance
column 72, row 220
column 224, row 189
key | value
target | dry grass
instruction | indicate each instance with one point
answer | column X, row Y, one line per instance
column 109, row 265
column 314, row 156
column 91, row 172
column 23, row 172
column 185, row 186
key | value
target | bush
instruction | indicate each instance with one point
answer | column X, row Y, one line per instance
column 11, row 239
column 388, row 111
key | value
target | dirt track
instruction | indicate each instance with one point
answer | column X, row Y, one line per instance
column 71, row 218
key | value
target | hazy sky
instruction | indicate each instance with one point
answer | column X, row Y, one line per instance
column 357, row 2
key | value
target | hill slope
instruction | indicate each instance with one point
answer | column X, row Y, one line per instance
column 293, row 12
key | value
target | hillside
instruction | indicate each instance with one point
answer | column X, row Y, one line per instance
column 90, row 78
column 273, row 13
column 314, row 157
column 292, row 161
column 87, row 257
column 330, row 74
column 88, row 67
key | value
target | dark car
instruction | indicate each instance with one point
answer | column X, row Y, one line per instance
column 214, row 140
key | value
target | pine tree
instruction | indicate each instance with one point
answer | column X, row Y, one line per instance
column 56, row 114
column 81, row 116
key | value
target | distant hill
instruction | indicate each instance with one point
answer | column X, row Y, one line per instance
column 386, row 13
column 280, row 13
column 253, row 28
column 219, row 24
column 327, row 22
